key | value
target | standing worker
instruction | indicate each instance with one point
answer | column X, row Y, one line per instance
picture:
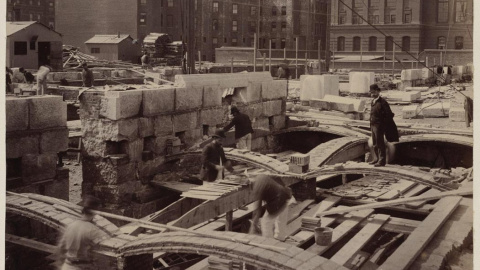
column 276, row 195
column 87, row 76
column 42, row 79
column 28, row 76
column 19, row 76
column 381, row 124
column 145, row 60
column 213, row 159
column 78, row 239
column 243, row 129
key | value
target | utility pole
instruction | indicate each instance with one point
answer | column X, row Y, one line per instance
column 191, row 37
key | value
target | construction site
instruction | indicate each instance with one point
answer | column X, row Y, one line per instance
column 135, row 140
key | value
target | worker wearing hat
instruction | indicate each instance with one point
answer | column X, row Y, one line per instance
column 87, row 76
column 243, row 129
column 381, row 121
column 213, row 158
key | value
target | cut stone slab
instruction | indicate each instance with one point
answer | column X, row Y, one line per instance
column 274, row 89
column 404, row 96
column 54, row 141
column 38, row 167
column 271, row 108
column 47, row 111
column 188, row 98
column 343, row 104
column 419, row 88
column 457, row 114
column 212, row 96
column 411, row 74
column 156, row 101
column 185, row 121
column 163, row 125
column 427, row 73
column 360, row 82
column 212, row 117
column 440, row 109
column 117, row 105
column 224, row 80
column 16, row 110
column 317, row 86
column 125, row 129
column 18, row 146
column 409, row 112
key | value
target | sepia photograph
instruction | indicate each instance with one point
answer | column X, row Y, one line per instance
column 238, row 135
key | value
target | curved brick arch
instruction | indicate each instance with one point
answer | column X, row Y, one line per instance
column 49, row 215
column 394, row 171
column 443, row 138
column 330, row 129
column 291, row 258
column 334, row 150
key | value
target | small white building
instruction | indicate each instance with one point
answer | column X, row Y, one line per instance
column 114, row 47
column 32, row 44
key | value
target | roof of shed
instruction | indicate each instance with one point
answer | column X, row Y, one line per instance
column 14, row 27
column 108, row 39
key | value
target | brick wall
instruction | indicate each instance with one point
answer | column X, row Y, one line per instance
column 125, row 133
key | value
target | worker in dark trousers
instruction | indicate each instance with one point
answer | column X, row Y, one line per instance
column 243, row 129
column 381, row 121
column 213, row 159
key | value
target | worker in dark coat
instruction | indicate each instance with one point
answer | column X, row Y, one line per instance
column 87, row 76
column 243, row 129
column 381, row 124
column 213, row 159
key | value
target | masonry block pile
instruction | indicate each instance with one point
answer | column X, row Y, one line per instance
column 36, row 131
column 343, row 104
column 128, row 134
column 317, row 86
column 412, row 78
column 360, row 82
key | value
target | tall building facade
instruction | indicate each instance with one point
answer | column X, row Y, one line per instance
column 32, row 10
column 420, row 27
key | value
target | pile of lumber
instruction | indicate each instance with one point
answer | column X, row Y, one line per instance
column 213, row 190
column 73, row 58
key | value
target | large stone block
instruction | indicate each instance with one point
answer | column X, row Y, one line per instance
column 124, row 129
column 273, row 107
column 192, row 136
column 409, row 112
column 54, row 141
column 150, row 168
column 57, row 189
column 337, row 103
column 156, row 101
column 279, row 122
column 133, row 149
column 38, row 167
column 317, row 86
column 259, row 144
column 107, row 173
column 441, row 109
column 213, row 117
column 157, row 145
column 360, row 82
column 427, row 73
column 274, row 89
column 47, row 111
column 261, row 124
column 94, row 147
column 188, row 98
column 116, row 194
column 224, row 80
column 17, row 146
column 163, row 125
column 253, row 92
column 212, row 96
column 121, row 104
column 411, row 74
column 418, row 88
column 16, row 113
column 90, row 104
column 253, row 110
column 145, row 127
column 457, row 114
column 185, row 121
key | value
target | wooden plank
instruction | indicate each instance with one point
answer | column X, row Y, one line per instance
column 199, row 196
column 460, row 192
column 406, row 253
column 229, row 221
column 174, row 185
column 39, row 246
column 418, row 189
column 342, row 230
column 359, row 240
column 327, row 203
column 418, row 204
column 395, row 190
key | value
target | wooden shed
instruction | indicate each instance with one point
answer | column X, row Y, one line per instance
column 114, row 47
column 32, row 44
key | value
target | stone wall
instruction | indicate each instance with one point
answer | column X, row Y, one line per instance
column 36, row 131
column 126, row 134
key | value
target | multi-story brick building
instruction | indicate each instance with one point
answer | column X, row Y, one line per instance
column 32, row 10
column 424, row 28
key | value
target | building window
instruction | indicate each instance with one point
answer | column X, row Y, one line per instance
column 169, row 3
column 458, row 43
column 253, row 11
column 225, row 40
column 389, row 44
column 341, row 44
column 357, row 44
column 373, row 19
column 441, row 42
column 214, row 41
column 442, row 12
column 39, row 17
column 274, row 11
column 204, row 39
column 169, row 21
column 407, row 16
column 283, row 43
column 94, row 50
column 274, row 26
column 244, row 40
column 215, row 6
column 274, row 43
column 235, row 9
column 215, row 25
column 460, row 10
column 234, row 42
column 234, row 26
column 20, row 48
column 372, row 44
column 143, row 18
column 342, row 18
column 392, row 18
column 252, row 26
column 284, row 26
column 406, row 43
column 284, row 10
column 356, row 20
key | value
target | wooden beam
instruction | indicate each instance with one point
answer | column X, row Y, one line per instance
column 359, row 240
column 408, row 251
column 38, row 246
column 327, row 203
column 229, row 221
column 399, row 201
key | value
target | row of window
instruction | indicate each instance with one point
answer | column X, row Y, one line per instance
column 251, row 26
column 372, row 43
column 30, row 2
column 263, row 43
column 253, row 9
column 375, row 19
